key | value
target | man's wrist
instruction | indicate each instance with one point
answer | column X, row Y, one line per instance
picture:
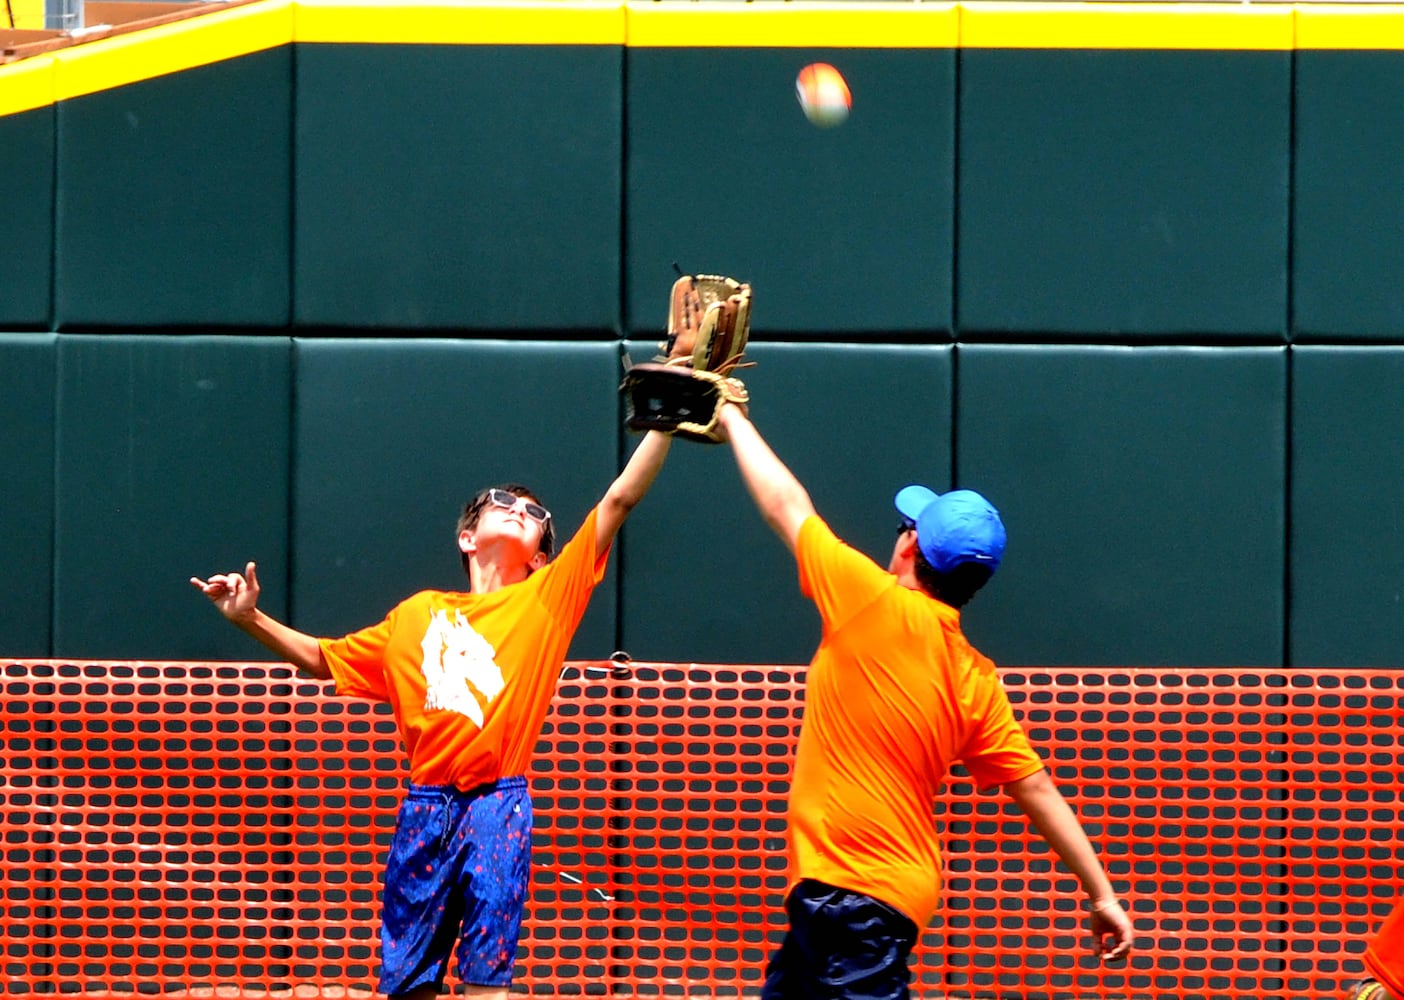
column 1369, row 989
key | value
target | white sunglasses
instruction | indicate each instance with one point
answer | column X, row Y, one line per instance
column 509, row 501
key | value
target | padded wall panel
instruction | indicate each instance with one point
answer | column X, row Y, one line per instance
column 1128, row 193
column 27, row 364
column 172, row 462
column 393, row 436
column 1144, row 494
column 843, row 232
column 27, row 249
column 173, row 199
column 1347, row 538
column 458, row 186
column 1347, row 250
column 855, row 424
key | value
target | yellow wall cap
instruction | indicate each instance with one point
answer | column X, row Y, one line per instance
column 170, row 48
column 799, row 24
column 524, row 22
column 1054, row 25
column 1350, row 26
column 27, row 84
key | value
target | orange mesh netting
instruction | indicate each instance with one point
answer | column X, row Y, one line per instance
column 191, row 826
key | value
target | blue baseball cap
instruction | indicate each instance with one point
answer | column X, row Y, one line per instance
column 953, row 528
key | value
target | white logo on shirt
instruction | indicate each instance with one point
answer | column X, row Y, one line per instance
column 459, row 670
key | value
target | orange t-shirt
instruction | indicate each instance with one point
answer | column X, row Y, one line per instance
column 895, row 694
column 1384, row 958
column 471, row 676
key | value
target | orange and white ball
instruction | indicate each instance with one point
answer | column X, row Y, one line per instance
column 823, row 94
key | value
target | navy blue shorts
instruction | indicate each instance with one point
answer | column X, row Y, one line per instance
column 841, row 945
column 458, row 872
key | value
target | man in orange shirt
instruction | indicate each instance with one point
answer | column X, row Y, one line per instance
column 895, row 694
column 1384, row 960
column 470, row 677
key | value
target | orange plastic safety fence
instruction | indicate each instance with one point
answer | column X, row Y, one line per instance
column 174, row 827
column 1252, row 820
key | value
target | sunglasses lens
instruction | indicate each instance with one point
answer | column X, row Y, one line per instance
column 501, row 498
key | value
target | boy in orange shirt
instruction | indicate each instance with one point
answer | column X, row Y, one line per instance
column 470, row 677
column 895, row 694
column 1384, row 960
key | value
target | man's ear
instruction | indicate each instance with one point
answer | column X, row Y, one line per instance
column 538, row 560
column 467, row 544
column 907, row 545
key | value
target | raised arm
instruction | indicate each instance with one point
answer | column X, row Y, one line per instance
column 783, row 502
column 236, row 597
column 629, row 488
column 1046, row 808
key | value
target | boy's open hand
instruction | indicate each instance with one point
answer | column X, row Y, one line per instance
column 234, row 594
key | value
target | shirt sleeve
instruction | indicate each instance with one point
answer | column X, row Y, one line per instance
column 566, row 583
column 840, row 580
column 997, row 749
column 357, row 661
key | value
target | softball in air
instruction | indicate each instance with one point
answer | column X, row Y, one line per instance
column 823, row 94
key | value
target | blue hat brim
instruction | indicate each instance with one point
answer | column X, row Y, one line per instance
column 910, row 501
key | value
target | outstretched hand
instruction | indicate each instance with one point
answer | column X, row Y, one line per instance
column 234, row 594
column 1111, row 929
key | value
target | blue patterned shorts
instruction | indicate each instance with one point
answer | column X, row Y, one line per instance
column 458, row 870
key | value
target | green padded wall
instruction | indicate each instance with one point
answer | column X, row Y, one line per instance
column 392, row 437
column 705, row 579
column 27, row 365
column 458, row 186
column 1024, row 202
column 845, row 232
column 172, row 462
column 1144, row 493
column 1347, row 507
column 1133, row 193
column 173, row 199
column 1347, row 249
column 27, row 247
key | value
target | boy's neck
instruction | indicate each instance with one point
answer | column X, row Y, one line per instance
column 486, row 576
